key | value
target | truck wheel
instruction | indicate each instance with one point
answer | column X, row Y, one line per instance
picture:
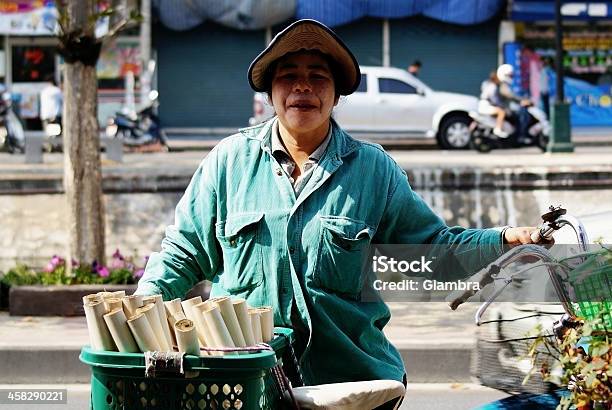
column 455, row 132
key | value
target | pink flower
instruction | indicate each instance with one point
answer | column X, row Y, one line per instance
column 138, row 274
column 103, row 271
column 54, row 263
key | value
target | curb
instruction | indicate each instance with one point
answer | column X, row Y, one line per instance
column 61, row 365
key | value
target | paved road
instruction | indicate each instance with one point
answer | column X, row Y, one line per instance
column 419, row 397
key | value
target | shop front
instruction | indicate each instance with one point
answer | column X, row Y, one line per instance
column 29, row 61
column 587, row 56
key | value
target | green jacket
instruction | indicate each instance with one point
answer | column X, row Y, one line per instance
column 240, row 226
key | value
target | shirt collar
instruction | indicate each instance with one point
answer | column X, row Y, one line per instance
column 278, row 147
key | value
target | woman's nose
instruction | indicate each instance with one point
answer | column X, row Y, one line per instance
column 302, row 84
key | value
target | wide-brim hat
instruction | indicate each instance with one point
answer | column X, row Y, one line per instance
column 307, row 35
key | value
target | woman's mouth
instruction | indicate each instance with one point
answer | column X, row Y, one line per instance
column 302, row 106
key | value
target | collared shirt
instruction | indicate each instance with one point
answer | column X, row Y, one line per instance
column 288, row 164
column 241, row 226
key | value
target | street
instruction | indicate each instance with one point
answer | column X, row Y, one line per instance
column 419, row 397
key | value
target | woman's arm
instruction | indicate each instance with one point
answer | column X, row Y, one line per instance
column 190, row 252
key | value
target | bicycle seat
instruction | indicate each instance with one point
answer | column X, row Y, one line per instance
column 348, row 396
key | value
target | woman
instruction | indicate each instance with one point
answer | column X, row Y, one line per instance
column 281, row 212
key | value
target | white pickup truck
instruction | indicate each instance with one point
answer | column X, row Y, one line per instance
column 391, row 103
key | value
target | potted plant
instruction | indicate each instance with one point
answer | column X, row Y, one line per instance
column 50, row 291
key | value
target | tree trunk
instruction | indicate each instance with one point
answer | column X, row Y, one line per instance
column 82, row 169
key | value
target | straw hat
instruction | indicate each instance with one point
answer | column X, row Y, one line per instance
column 307, row 35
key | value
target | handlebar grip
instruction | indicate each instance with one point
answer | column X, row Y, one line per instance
column 482, row 277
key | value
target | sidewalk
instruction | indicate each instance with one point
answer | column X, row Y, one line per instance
column 434, row 341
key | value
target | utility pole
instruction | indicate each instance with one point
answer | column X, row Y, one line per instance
column 561, row 138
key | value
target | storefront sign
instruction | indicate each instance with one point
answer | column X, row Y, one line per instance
column 31, row 18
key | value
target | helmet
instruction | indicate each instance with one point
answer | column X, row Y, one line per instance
column 505, row 73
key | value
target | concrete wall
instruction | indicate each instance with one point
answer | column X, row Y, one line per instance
column 33, row 225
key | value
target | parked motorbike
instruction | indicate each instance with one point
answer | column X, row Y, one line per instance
column 12, row 136
column 53, row 135
column 138, row 128
column 483, row 139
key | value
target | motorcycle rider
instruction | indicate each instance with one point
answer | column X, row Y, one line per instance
column 490, row 103
column 505, row 73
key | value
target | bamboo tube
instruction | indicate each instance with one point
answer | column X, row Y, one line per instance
column 122, row 336
column 216, row 325
column 94, row 297
column 242, row 314
column 131, row 303
column 112, row 304
column 118, row 294
column 226, row 308
column 174, row 306
column 158, row 301
column 267, row 323
column 99, row 335
column 187, row 337
column 255, row 317
column 189, row 313
column 150, row 311
column 143, row 334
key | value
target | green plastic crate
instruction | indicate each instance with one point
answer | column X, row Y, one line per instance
column 591, row 282
column 241, row 382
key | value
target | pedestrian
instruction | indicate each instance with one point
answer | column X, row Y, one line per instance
column 545, row 78
column 415, row 68
column 280, row 214
column 51, row 103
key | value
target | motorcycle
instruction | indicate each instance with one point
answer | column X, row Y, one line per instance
column 12, row 136
column 138, row 129
column 483, row 139
column 53, row 135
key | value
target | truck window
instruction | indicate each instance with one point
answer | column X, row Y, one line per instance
column 363, row 84
column 390, row 85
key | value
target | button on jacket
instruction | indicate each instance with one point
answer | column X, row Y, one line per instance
column 241, row 226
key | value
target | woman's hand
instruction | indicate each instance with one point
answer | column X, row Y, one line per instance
column 524, row 235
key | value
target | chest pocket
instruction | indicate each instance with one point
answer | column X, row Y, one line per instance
column 239, row 237
column 342, row 253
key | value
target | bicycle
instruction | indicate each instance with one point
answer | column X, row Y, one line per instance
column 579, row 298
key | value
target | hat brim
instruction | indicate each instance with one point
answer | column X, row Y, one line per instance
column 307, row 35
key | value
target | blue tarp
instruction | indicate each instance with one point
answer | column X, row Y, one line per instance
column 256, row 14
column 238, row 14
column 334, row 13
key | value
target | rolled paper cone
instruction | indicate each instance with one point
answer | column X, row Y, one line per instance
column 161, row 311
column 242, row 314
column 150, row 311
column 94, row 297
column 216, row 325
column 131, row 303
column 112, row 304
column 99, row 335
column 189, row 313
column 143, row 334
column 226, row 307
column 118, row 327
column 256, row 323
column 187, row 337
column 267, row 323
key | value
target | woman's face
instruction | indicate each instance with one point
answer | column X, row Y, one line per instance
column 303, row 93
